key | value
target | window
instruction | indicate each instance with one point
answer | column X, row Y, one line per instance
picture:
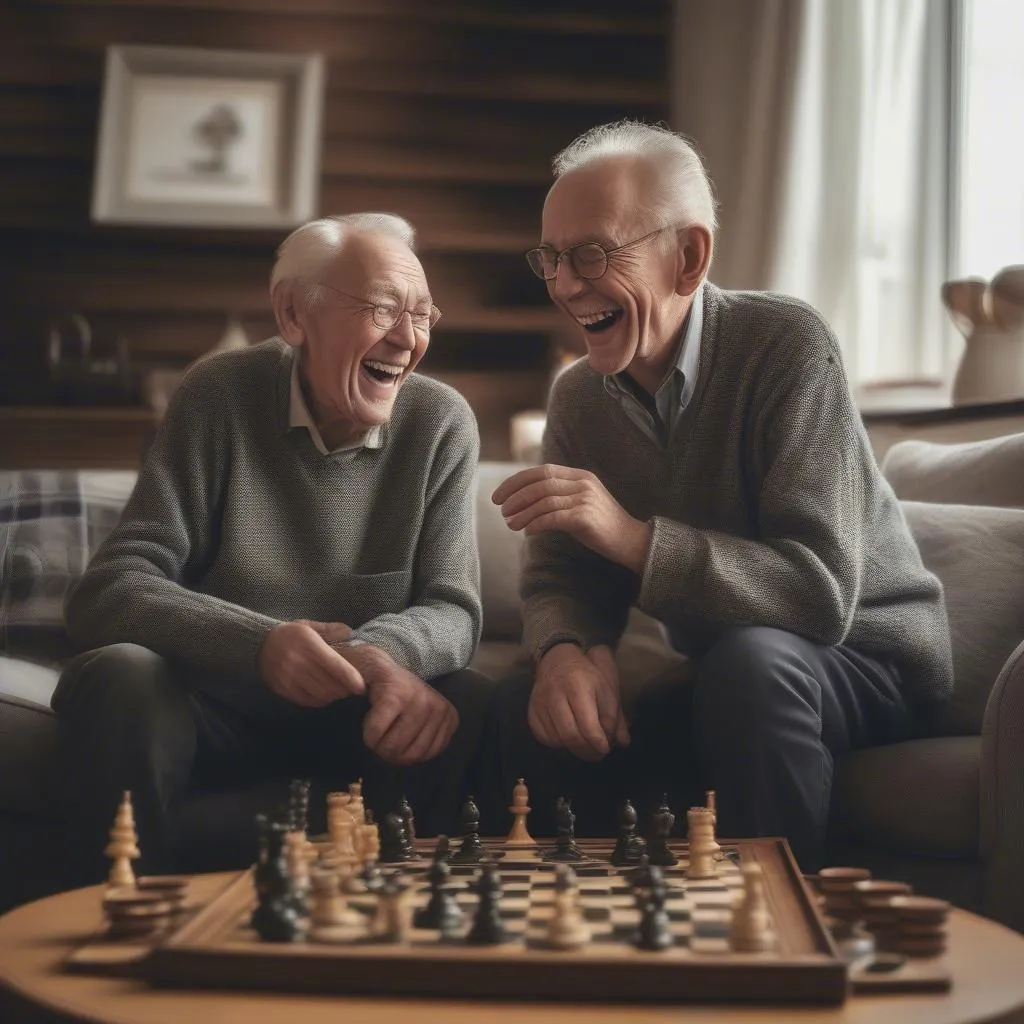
column 991, row 152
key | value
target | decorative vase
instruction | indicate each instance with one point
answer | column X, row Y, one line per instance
column 991, row 319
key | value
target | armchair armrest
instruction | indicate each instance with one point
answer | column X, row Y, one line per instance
column 1002, row 794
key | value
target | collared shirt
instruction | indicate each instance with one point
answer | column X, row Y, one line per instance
column 676, row 390
column 299, row 416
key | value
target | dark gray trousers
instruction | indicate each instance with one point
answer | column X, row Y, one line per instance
column 762, row 724
column 199, row 769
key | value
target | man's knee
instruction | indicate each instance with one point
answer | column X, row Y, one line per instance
column 471, row 694
column 752, row 674
column 121, row 686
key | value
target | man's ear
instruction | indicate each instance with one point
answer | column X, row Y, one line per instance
column 286, row 314
column 694, row 258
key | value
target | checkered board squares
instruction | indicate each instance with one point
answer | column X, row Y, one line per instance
column 699, row 911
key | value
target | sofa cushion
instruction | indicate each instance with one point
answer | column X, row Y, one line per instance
column 989, row 472
column 978, row 554
column 918, row 798
column 501, row 550
column 28, row 738
column 51, row 522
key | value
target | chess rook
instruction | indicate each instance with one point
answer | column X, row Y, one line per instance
column 704, row 848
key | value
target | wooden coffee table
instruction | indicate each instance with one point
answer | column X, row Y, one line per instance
column 987, row 962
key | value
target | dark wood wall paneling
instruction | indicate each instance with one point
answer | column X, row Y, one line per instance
column 447, row 112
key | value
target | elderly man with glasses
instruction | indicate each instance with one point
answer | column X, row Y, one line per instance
column 293, row 589
column 705, row 463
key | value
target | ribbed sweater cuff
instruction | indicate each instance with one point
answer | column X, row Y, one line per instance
column 670, row 556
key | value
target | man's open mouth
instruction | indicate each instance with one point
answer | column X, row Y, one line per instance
column 594, row 323
column 385, row 373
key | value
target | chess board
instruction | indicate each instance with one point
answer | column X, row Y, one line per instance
column 218, row 948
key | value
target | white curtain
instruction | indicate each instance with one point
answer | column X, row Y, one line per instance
column 863, row 229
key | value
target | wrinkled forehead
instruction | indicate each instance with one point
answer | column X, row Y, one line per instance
column 601, row 202
column 378, row 266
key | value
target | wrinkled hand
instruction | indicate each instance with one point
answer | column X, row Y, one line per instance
column 332, row 632
column 575, row 702
column 573, row 500
column 298, row 664
column 408, row 721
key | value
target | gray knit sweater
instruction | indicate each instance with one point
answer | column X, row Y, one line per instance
column 767, row 506
column 238, row 523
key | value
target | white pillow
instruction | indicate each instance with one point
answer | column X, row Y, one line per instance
column 978, row 554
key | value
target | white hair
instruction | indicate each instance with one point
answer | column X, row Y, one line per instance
column 308, row 250
column 685, row 196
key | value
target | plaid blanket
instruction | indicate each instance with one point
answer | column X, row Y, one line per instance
column 51, row 523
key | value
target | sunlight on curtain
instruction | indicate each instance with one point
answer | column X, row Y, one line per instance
column 992, row 182
column 864, row 226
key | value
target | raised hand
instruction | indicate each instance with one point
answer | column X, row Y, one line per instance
column 553, row 497
column 298, row 664
column 575, row 704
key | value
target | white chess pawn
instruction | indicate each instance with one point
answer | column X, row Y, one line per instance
column 331, row 918
column 751, row 929
column 123, row 846
column 704, row 850
column 520, row 836
column 393, row 920
column 566, row 927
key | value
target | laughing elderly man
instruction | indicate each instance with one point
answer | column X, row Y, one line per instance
column 706, row 463
column 293, row 588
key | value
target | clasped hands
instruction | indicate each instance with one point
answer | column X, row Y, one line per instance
column 408, row 721
column 575, row 702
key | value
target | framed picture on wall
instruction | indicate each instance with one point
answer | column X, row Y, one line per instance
column 208, row 138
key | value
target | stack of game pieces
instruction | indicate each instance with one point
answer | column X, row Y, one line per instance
column 874, row 899
column 837, row 888
column 921, row 925
column 136, row 913
column 171, row 888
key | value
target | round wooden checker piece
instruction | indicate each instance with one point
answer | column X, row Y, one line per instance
column 841, row 879
column 169, row 884
column 920, row 908
column 870, row 888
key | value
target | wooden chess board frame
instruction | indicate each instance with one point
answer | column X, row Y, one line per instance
column 208, row 952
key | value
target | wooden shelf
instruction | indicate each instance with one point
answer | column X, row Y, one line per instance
column 445, row 112
column 73, row 437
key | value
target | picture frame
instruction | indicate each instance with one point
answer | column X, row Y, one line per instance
column 208, row 138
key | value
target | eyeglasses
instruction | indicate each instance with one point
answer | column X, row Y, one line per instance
column 386, row 314
column 588, row 259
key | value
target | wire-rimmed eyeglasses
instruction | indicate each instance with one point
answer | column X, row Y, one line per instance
column 386, row 313
column 588, row 259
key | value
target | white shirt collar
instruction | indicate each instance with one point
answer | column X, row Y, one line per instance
column 299, row 416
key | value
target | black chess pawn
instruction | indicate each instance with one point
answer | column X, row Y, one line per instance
column 394, row 843
column 405, row 810
column 565, row 833
column 442, row 911
column 655, row 932
column 472, row 849
column 657, row 846
column 628, row 848
column 488, row 928
column 278, row 916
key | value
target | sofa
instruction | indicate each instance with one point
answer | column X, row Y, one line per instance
column 944, row 812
